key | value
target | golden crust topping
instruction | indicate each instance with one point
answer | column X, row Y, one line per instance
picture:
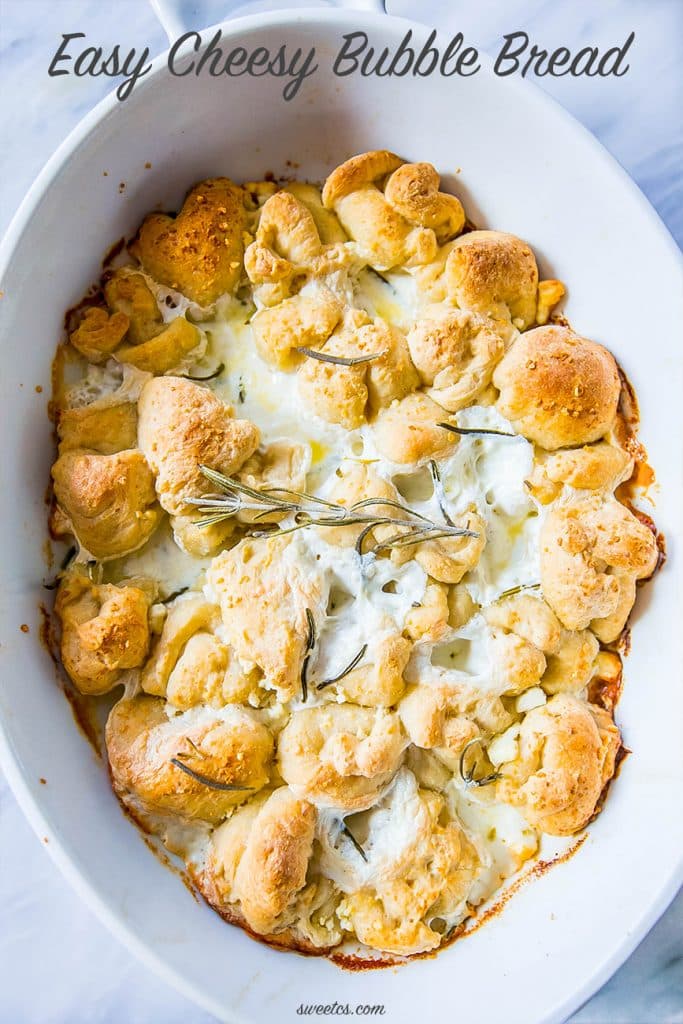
column 129, row 294
column 583, row 545
column 567, row 755
column 181, row 426
column 99, row 334
column 409, row 432
column 455, row 352
column 263, row 596
column 557, row 388
column 199, row 252
column 108, row 500
column 230, row 749
column 494, row 273
column 105, row 631
column 340, row 755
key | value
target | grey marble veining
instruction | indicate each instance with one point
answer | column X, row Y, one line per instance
column 57, row 962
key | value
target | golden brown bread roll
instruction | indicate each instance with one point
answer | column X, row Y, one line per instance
column 105, row 631
column 199, row 252
column 557, row 388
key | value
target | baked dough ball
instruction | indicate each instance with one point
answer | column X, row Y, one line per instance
column 327, row 224
column 595, row 467
column 279, row 465
column 448, row 559
column 129, row 294
column 100, row 427
column 455, row 352
column 429, row 619
column 516, row 665
column 444, row 717
column 190, row 665
column 264, row 591
column 340, row 755
column 393, row 211
column 378, row 680
column 259, row 858
column 181, row 426
column 585, row 547
column 567, row 752
column 105, row 631
column 106, row 501
column 557, row 388
column 571, row 666
column 494, row 273
column 288, row 250
column 428, row 878
column 529, row 618
column 179, row 343
column 99, row 334
column 229, row 747
column 408, row 431
column 301, row 321
column 199, row 252
column 348, row 394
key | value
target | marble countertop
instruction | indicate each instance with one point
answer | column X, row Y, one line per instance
column 57, row 962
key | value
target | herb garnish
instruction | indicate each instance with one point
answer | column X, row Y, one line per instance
column 323, row 357
column 349, row 835
column 511, row 591
column 468, row 777
column 345, row 671
column 223, row 787
column 211, row 376
column 309, row 510
column 310, row 644
column 476, row 430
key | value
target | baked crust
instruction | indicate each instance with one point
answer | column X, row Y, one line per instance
column 199, row 252
column 558, row 389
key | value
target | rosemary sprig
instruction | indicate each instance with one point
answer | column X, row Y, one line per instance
column 223, row 787
column 475, row 430
column 323, row 357
column 310, row 645
column 172, row 596
column 349, row 835
column 309, row 510
column 439, row 491
column 345, row 671
column 511, row 591
column 468, row 776
column 211, row 376
column 382, row 278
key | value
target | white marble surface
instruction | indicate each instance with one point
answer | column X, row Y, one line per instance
column 57, row 962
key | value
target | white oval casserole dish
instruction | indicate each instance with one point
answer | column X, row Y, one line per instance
column 523, row 166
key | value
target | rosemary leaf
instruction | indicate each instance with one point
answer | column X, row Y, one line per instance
column 174, row 594
column 468, row 776
column 511, row 591
column 439, row 491
column 210, row 376
column 475, row 430
column 323, row 357
column 349, row 835
column 223, row 787
column 345, row 671
column 310, row 644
